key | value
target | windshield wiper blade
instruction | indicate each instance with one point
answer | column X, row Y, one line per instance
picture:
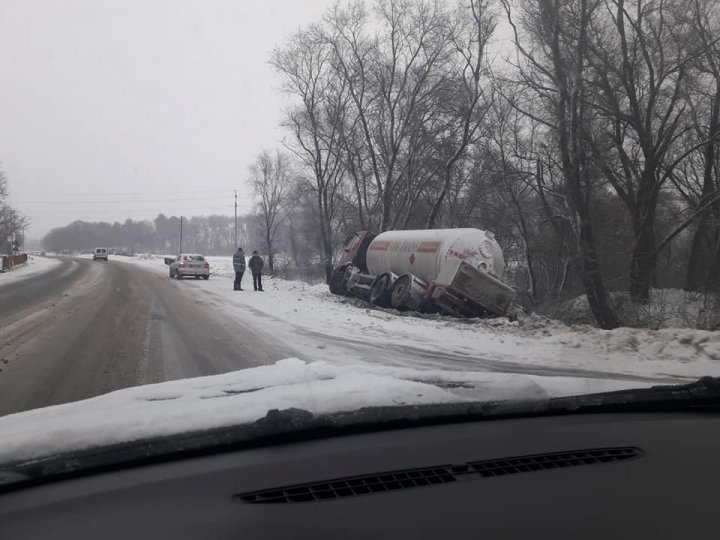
column 704, row 392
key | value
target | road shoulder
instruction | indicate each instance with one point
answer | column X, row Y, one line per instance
column 35, row 266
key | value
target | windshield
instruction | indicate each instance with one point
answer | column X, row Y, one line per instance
column 330, row 206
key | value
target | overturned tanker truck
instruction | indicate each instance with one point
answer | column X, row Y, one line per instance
column 453, row 271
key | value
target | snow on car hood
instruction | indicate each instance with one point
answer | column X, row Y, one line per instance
column 244, row 396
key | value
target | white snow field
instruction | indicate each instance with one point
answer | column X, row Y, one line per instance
column 320, row 326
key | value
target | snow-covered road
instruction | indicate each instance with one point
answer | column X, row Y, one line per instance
column 87, row 328
column 320, row 326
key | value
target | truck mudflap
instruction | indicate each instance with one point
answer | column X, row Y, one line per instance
column 473, row 292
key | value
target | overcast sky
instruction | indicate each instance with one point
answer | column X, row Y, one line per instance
column 126, row 108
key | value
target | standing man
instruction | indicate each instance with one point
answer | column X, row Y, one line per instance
column 256, row 265
column 239, row 267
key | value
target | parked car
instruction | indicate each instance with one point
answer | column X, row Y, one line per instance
column 189, row 264
column 100, row 254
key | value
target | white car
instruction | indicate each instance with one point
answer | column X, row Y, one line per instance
column 100, row 254
column 189, row 264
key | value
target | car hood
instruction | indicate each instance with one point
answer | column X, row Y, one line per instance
column 242, row 397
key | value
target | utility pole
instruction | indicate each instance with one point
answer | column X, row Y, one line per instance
column 181, row 220
column 236, row 242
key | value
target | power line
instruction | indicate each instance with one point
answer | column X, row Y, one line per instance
column 153, row 192
column 154, row 212
column 113, row 201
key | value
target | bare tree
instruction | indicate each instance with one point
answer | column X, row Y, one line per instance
column 3, row 186
column 642, row 57
column 468, row 73
column 390, row 78
column 703, row 270
column 270, row 177
column 514, row 163
column 315, row 120
column 552, row 69
column 12, row 222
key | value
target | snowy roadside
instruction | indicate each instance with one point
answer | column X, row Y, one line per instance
column 35, row 265
column 321, row 326
column 244, row 396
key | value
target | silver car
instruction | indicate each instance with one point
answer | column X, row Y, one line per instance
column 189, row 264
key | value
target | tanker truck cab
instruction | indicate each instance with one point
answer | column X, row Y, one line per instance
column 351, row 263
column 356, row 248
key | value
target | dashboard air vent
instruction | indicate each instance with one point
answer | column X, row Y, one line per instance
column 391, row 481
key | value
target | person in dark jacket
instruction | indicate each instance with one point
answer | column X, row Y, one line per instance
column 239, row 267
column 256, row 265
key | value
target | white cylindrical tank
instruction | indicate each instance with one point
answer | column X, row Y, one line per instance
column 426, row 253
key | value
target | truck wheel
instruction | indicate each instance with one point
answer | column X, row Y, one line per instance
column 379, row 290
column 401, row 291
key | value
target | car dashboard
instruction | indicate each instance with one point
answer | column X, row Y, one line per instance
column 610, row 475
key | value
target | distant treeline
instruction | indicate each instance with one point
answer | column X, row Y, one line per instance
column 211, row 235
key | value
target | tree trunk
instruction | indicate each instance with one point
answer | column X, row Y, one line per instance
column 293, row 244
column 563, row 277
column 447, row 175
column 713, row 283
column 268, row 242
column 642, row 267
column 698, row 275
column 644, row 256
column 358, row 190
column 386, row 203
column 327, row 248
column 570, row 116
column 532, row 280
column 325, row 229
column 597, row 294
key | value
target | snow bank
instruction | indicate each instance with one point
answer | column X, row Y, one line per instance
column 667, row 308
column 245, row 396
column 317, row 325
column 34, row 266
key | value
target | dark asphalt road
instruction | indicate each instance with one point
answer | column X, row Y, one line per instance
column 87, row 328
